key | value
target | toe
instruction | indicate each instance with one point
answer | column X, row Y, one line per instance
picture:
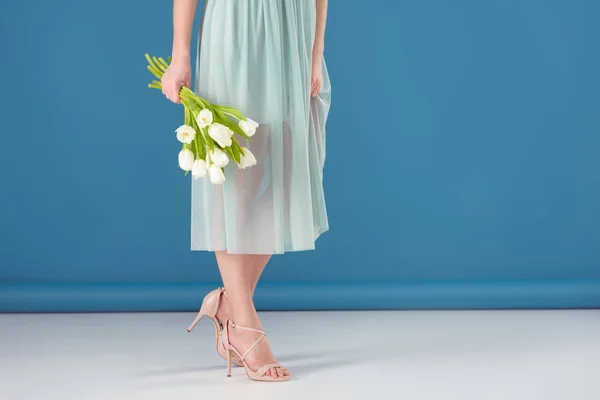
column 279, row 372
column 268, row 373
column 274, row 372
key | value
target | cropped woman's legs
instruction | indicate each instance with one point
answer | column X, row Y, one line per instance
column 240, row 274
column 257, row 262
column 255, row 268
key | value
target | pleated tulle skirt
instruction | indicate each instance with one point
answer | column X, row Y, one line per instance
column 256, row 55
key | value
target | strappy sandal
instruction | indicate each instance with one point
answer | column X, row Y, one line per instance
column 259, row 374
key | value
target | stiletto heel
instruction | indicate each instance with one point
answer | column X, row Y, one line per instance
column 228, row 363
column 210, row 305
column 201, row 314
column 259, row 374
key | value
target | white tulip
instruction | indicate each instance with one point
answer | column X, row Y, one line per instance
column 220, row 134
column 186, row 159
column 204, row 118
column 199, row 169
column 248, row 126
column 247, row 159
column 216, row 174
column 219, row 157
column 185, row 134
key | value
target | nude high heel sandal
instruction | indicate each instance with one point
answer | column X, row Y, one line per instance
column 210, row 305
column 259, row 374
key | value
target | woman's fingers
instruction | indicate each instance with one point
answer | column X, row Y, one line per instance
column 172, row 92
column 316, row 88
column 177, row 90
column 175, row 93
column 166, row 86
column 178, row 74
column 171, row 89
column 168, row 91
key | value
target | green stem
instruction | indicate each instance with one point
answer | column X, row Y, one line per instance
column 193, row 110
column 149, row 59
column 163, row 62
column 198, row 154
column 186, row 111
column 204, row 137
column 187, row 97
column 158, row 64
column 209, row 140
column 154, row 72
column 155, row 66
column 190, row 94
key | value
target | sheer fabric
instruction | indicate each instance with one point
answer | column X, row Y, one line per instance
column 256, row 55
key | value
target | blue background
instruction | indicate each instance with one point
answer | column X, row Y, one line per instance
column 462, row 167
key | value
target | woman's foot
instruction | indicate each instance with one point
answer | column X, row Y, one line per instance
column 261, row 354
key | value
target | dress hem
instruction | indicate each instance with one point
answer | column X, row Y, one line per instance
column 287, row 249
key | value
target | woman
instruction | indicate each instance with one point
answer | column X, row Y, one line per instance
column 264, row 57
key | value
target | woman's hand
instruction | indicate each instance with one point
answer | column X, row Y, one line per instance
column 178, row 74
column 317, row 74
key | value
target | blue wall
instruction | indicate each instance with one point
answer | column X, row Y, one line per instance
column 475, row 179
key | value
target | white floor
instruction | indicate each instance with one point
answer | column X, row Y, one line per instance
column 412, row 355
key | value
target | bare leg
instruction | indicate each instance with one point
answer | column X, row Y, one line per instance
column 238, row 273
column 257, row 263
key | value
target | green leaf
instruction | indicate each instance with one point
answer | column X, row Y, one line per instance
column 199, row 153
column 225, row 120
column 186, row 114
column 191, row 96
column 202, row 103
column 209, row 141
column 187, row 98
column 232, row 152
column 233, row 111
column 235, row 148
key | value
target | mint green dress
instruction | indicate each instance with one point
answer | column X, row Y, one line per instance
column 256, row 55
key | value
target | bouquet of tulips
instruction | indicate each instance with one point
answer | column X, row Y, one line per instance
column 207, row 135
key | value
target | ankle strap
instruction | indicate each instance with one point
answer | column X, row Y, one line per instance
column 245, row 328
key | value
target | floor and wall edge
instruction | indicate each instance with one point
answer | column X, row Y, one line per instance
column 138, row 297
